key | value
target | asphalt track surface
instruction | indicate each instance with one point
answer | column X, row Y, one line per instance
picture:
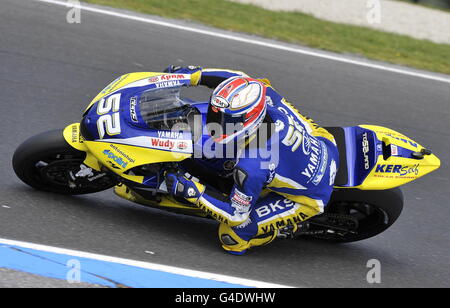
column 50, row 70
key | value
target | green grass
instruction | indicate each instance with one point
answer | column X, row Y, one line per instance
column 298, row 28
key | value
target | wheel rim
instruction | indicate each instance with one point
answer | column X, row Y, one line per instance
column 368, row 221
column 369, row 217
column 55, row 171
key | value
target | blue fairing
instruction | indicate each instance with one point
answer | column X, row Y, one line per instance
column 359, row 161
column 132, row 124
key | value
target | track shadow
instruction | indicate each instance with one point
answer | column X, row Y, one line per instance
column 106, row 224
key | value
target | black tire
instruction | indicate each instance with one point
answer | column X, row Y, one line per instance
column 52, row 149
column 376, row 211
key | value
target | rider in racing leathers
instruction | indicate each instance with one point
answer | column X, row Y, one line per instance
column 272, row 194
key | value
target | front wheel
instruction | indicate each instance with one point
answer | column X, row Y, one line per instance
column 47, row 162
column 354, row 215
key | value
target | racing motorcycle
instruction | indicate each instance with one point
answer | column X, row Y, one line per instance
column 126, row 140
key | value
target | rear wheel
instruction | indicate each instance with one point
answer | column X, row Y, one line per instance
column 354, row 215
column 47, row 162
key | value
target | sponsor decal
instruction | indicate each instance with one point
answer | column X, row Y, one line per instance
column 394, row 150
column 170, row 144
column 290, row 221
column 399, row 169
column 75, row 133
column 272, row 173
column 76, row 136
column 122, row 153
column 172, row 77
column 316, row 161
column 191, row 192
column 182, row 145
column 168, row 84
column 220, row 102
column 166, row 144
column 306, row 144
column 280, row 205
column 322, row 167
column 133, row 114
column 170, row 134
column 118, row 160
column 403, row 140
column 365, row 150
column 241, row 198
column 113, row 84
column 214, row 215
column 241, row 202
column 167, row 78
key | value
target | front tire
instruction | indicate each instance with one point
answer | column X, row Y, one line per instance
column 46, row 161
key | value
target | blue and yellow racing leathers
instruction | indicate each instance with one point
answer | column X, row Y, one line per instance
column 282, row 182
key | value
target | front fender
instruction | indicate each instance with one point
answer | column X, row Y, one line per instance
column 73, row 137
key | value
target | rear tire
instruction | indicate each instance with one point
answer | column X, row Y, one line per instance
column 375, row 210
column 44, row 162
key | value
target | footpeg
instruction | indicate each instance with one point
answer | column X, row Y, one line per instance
column 286, row 232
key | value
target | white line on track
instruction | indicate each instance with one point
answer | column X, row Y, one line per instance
column 145, row 265
column 254, row 42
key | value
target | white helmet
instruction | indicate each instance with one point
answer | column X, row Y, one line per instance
column 238, row 106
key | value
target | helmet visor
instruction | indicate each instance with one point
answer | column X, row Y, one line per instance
column 221, row 126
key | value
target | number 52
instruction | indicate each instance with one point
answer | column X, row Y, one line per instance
column 109, row 123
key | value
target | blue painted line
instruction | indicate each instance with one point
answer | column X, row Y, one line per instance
column 55, row 265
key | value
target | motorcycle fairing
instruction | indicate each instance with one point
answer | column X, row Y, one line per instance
column 135, row 80
column 164, row 201
column 134, row 144
column 72, row 135
column 380, row 158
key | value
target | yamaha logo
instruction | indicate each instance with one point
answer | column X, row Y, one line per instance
column 191, row 192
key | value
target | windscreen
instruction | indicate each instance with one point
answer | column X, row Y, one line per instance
column 163, row 109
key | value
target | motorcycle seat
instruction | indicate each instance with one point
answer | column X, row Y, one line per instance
column 339, row 136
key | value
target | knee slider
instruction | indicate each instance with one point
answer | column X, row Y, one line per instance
column 228, row 237
column 230, row 240
column 227, row 240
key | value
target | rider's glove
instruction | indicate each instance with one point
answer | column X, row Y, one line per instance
column 180, row 186
column 194, row 71
column 182, row 69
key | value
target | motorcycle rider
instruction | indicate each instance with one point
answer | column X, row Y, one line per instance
column 271, row 195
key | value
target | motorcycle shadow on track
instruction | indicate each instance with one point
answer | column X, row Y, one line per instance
column 101, row 222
